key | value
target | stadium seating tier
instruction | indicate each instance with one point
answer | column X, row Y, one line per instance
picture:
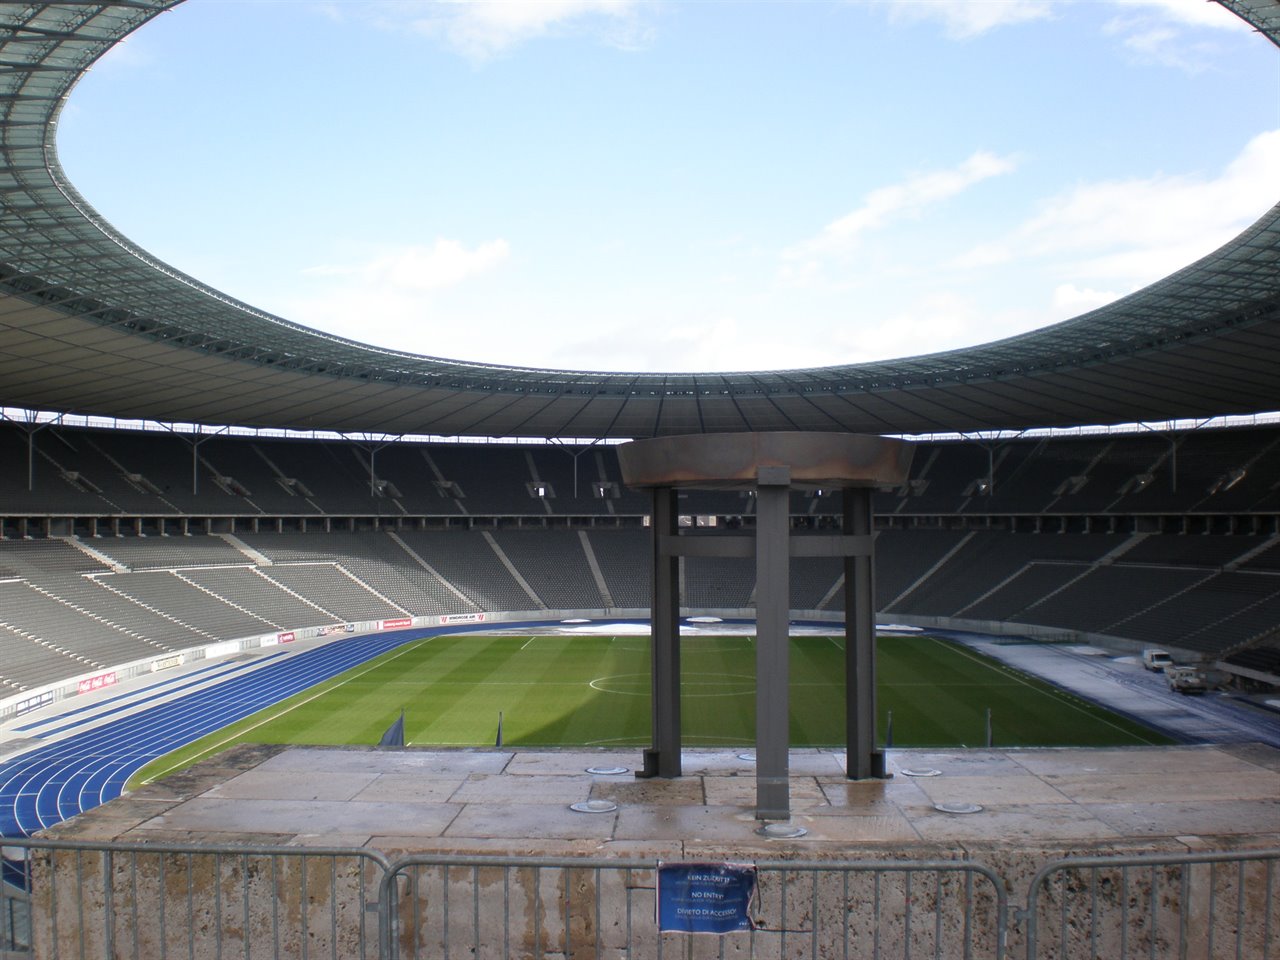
column 121, row 545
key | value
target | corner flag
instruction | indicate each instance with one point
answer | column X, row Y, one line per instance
column 394, row 737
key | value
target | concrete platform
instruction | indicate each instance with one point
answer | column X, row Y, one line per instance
column 1045, row 802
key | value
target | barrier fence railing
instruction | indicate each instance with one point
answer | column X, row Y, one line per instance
column 458, row 907
column 148, row 900
column 15, row 921
column 1207, row 905
column 151, row 900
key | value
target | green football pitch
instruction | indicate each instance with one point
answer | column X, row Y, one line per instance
column 594, row 690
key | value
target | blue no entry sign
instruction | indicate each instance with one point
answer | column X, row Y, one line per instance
column 705, row 897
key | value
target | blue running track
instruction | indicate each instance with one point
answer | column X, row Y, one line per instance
column 50, row 784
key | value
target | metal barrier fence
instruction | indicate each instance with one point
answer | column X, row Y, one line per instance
column 144, row 901
column 455, row 907
column 1207, row 906
column 15, row 903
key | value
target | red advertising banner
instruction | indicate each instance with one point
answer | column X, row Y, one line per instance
column 398, row 623
column 96, row 683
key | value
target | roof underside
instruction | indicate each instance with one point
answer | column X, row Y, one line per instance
column 90, row 323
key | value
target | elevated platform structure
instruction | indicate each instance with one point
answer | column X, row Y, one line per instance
column 768, row 466
column 462, row 850
column 1043, row 801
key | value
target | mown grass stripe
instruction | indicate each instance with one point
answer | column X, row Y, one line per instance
column 453, row 687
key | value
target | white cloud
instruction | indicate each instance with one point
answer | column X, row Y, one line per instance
column 729, row 342
column 419, row 269
column 1128, row 233
column 1070, row 300
column 391, row 299
column 482, row 29
column 802, row 261
column 990, row 254
column 1197, row 13
column 1172, row 33
column 1146, row 25
column 964, row 19
column 409, row 322
column 932, row 322
column 1162, row 46
column 329, row 9
column 677, row 343
column 938, row 321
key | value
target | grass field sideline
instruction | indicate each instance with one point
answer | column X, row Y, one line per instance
column 555, row 690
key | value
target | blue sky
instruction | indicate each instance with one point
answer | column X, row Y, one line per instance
column 616, row 185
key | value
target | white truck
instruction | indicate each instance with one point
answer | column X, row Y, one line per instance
column 1156, row 659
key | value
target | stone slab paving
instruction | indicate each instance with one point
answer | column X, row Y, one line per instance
column 518, row 802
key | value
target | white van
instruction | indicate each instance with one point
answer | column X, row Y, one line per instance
column 1155, row 659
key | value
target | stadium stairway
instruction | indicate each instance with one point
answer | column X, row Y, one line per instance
column 115, row 565
column 259, row 559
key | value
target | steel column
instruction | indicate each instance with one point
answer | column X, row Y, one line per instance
column 863, row 760
column 662, row 759
column 773, row 615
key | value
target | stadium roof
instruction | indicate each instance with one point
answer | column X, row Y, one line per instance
column 90, row 323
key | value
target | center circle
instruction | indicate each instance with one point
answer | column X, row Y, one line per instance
column 691, row 684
